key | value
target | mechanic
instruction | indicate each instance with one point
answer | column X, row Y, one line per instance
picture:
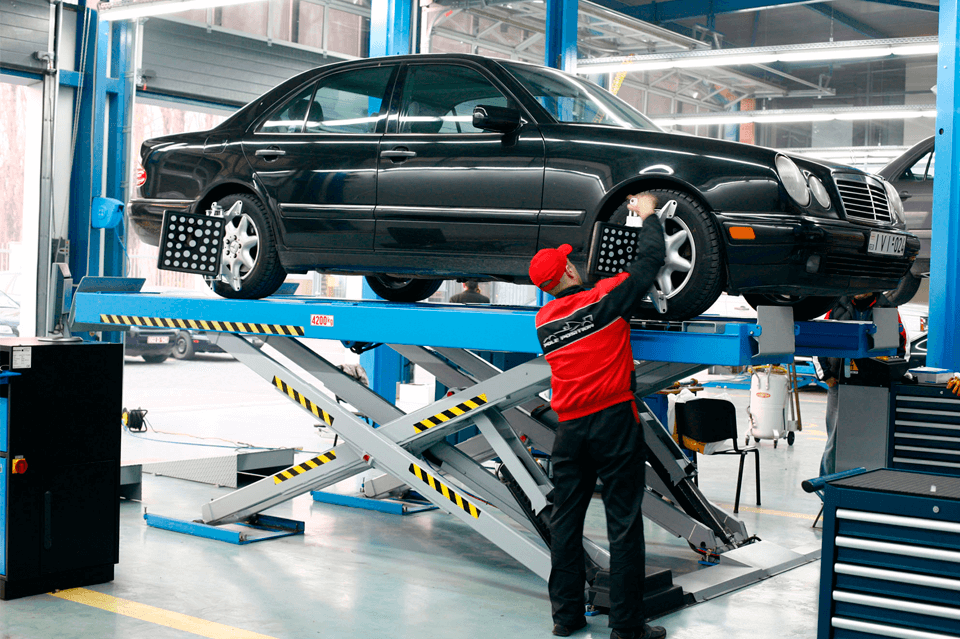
column 585, row 336
column 471, row 294
column 830, row 369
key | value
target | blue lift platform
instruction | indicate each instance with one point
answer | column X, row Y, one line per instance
column 508, row 408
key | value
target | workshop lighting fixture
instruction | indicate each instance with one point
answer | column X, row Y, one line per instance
column 820, row 52
column 130, row 9
column 797, row 115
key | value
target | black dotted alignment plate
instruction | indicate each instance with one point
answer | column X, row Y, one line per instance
column 191, row 243
column 899, row 482
column 614, row 249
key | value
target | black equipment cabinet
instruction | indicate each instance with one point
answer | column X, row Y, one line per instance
column 61, row 417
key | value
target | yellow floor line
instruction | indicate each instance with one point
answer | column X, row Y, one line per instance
column 158, row 616
column 767, row 511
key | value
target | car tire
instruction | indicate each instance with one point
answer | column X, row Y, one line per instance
column 905, row 290
column 154, row 359
column 183, row 347
column 695, row 239
column 805, row 307
column 261, row 273
column 395, row 289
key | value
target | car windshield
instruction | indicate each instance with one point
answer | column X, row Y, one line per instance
column 571, row 99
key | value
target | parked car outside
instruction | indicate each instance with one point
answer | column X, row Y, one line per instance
column 190, row 342
column 9, row 315
column 911, row 174
column 154, row 345
column 415, row 169
column 918, row 350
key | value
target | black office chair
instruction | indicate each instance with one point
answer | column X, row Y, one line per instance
column 708, row 420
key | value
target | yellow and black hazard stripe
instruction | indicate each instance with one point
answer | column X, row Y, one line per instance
column 310, row 464
column 450, row 413
column 204, row 325
column 446, row 491
column 298, row 397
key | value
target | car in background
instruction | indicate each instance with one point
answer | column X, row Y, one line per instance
column 154, row 345
column 411, row 170
column 918, row 350
column 911, row 174
column 9, row 315
column 190, row 342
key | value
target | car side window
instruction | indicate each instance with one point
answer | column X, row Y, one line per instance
column 921, row 170
column 349, row 102
column 441, row 98
column 289, row 118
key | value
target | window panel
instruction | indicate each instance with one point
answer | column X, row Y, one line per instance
column 289, row 118
column 441, row 99
column 349, row 102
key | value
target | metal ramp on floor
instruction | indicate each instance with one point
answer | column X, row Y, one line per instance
column 507, row 407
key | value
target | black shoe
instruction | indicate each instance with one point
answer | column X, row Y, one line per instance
column 648, row 632
column 561, row 630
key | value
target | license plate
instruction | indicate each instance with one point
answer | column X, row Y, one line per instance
column 158, row 339
column 886, row 243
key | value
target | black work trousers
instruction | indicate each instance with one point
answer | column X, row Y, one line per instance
column 608, row 444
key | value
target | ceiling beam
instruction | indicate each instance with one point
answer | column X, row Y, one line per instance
column 906, row 4
column 830, row 13
column 658, row 12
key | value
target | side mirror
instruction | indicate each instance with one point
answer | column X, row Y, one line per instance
column 493, row 118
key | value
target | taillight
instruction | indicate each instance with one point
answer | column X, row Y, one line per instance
column 141, row 176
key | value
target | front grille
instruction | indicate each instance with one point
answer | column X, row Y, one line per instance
column 865, row 266
column 864, row 198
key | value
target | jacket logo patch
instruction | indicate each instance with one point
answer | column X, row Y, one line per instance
column 569, row 331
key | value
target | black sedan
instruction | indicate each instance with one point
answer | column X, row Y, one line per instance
column 411, row 170
column 154, row 345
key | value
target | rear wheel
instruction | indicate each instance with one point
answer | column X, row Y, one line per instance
column 183, row 349
column 154, row 359
column 805, row 307
column 396, row 289
column 692, row 274
column 250, row 250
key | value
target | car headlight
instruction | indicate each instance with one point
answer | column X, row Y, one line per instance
column 895, row 204
column 819, row 191
column 793, row 180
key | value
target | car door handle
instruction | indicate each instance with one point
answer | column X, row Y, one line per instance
column 398, row 154
column 905, row 195
column 273, row 151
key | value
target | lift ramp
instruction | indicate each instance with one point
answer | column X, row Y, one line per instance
column 508, row 407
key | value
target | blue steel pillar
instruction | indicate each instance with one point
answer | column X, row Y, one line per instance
column 561, row 45
column 391, row 24
column 120, row 121
column 944, row 342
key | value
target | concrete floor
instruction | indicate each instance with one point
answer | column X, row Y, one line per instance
column 358, row 573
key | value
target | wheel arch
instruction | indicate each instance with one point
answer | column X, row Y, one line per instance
column 224, row 189
column 618, row 194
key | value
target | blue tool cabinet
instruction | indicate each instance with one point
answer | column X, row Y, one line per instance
column 891, row 557
column 924, row 429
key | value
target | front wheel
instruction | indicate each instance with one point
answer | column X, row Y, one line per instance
column 905, row 290
column 692, row 274
column 396, row 289
column 250, row 250
column 805, row 307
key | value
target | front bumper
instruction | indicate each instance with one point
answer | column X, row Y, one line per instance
column 803, row 256
column 146, row 216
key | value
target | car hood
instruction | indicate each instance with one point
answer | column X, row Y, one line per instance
column 735, row 151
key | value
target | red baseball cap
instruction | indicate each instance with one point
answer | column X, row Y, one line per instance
column 548, row 265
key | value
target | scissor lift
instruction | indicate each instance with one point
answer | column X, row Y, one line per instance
column 508, row 408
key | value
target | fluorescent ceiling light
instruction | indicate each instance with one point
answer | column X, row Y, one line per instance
column 795, row 115
column 130, row 9
column 762, row 55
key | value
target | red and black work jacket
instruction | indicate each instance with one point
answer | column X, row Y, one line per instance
column 848, row 308
column 585, row 333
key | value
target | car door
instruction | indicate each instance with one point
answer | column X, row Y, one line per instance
column 915, row 185
column 316, row 157
column 447, row 187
